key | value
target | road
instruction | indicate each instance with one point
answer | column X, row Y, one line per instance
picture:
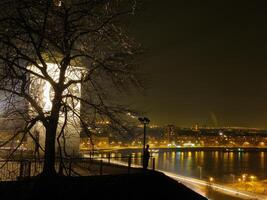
column 195, row 184
column 200, row 186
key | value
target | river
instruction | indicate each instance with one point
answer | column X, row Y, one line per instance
column 223, row 167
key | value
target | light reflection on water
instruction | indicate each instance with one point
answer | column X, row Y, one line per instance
column 205, row 164
column 224, row 167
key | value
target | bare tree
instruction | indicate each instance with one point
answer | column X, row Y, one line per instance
column 63, row 63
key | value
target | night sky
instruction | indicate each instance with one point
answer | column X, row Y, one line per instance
column 206, row 62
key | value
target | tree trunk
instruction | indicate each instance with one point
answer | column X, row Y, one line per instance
column 50, row 138
column 49, row 157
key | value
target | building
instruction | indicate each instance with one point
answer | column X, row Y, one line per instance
column 95, row 142
column 169, row 133
column 43, row 93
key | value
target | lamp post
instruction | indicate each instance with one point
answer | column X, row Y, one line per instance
column 253, row 178
column 211, row 179
column 233, row 176
column 144, row 121
column 200, row 171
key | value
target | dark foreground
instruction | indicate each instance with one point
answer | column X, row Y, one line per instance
column 150, row 185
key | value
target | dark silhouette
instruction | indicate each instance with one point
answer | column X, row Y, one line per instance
column 114, row 185
column 36, row 144
column 41, row 53
column 146, row 157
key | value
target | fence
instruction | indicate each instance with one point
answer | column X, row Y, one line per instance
column 11, row 170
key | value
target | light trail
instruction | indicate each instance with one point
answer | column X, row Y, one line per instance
column 220, row 188
column 192, row 181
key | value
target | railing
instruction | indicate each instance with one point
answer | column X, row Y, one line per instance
column 20, row 168
column 11, row 170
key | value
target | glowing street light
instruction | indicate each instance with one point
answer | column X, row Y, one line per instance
column 252, row 178
column 144, row 121
column 244, row 177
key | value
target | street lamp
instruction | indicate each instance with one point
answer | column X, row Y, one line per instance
column 200, row 171
column 253, row 178
column 233, row 176
column 244, row 177
column 211, row 179
column 144, row 121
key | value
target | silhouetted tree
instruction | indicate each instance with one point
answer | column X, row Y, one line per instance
column 79, row 51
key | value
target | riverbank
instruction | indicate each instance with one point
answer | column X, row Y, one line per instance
column 197, row 167
column 196, row 148
column 149, row 185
